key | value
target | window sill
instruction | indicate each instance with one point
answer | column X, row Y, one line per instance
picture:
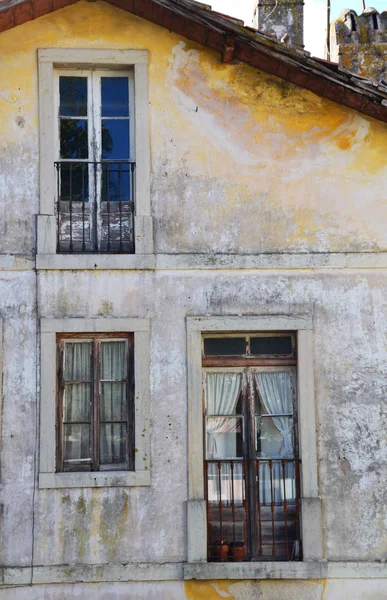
column 94, row 480
column 94, row 262
column 256, row 570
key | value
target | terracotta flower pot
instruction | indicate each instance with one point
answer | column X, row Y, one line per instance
column 237, row 552
column 221, row 550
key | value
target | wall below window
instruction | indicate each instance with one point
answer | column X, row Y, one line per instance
column 209, row 590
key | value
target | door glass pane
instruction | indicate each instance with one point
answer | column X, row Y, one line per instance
column 113, row 359
column 223, row 393
column 116, row 182
column 224, row 346
column 224, row 437
column 113, row 444
column 73, row 96
column 275, row 391
column 226, row 483
column 74, row 182
column 115, row 96
column 73, row 138
column 77, row 443
column 271, row 345
column 77, row 357
column 275, row 437
column 113, row 402
column 276, row 482
column 115, row 139
column 76, row 402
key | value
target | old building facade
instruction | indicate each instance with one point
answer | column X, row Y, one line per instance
column 176, row 222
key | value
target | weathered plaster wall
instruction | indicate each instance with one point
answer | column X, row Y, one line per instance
column 241, row 162
column 17, row 417
column 208, row 590
column 228, row 144
column 351, row 361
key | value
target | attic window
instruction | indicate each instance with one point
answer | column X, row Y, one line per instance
column 375, row 21
column 353, row 23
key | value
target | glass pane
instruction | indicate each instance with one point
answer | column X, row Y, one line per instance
column 76, row 442
column 224, row 346
column 224, row 437
column 115, row 139
column 275, row 392
column 113, row 358
column 73, row 138
column 116, row 182
column 115, row 96
column 277, row 485
column 226, row 484
column 113, row 444
column 73, row 96
column 223, row 393
column 77, row 359
column 275, row 437
column 74, row 182
column 271, row 345
column 76, row 402
column 113, row 402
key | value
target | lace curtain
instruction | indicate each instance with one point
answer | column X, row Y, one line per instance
column 275, row 390
column 77, row 437
column 113, row 405
column 222, row 396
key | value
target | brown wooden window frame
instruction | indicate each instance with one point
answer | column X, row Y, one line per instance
column 95, row 339
column 244, row 364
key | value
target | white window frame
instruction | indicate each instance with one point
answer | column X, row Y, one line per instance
column 50, row 60
column 48, row 477
column 94, row 109
column 311, row 517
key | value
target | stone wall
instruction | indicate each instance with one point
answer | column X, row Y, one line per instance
column 359, row 43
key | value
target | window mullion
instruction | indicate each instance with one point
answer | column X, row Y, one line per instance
column 60, row 400
column 97, row 157
column 252, row 466
column 130, row 437
column 96, row 403
column 132, row 140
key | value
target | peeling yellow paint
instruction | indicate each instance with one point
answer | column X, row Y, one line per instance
column 227, row 141
column 207, row 590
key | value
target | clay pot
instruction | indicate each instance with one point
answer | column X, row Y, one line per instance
column 237, row 551
column 221, row 550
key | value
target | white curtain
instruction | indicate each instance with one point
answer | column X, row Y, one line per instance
column 77, row 368
column 222, row 396
column 275, row 390
column 223, row 391
column 113, row 402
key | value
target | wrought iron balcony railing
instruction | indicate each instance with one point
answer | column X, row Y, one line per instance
column 95, row 206
column 253, row 509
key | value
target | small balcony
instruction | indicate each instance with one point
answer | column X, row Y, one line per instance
column 95, row 207
column 253, row 509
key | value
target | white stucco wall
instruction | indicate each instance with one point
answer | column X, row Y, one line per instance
column 260, row 168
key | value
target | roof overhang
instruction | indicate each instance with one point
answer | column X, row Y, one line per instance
column 198, row 23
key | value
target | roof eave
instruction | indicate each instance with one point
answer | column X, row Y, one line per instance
column 234, row 42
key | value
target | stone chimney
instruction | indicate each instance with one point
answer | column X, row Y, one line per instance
column 359, row 43
column 284, row 19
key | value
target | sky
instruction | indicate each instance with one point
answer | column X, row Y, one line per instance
column 314, row 16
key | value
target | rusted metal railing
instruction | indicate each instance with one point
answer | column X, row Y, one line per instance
column 95, row 206
column 253, row 509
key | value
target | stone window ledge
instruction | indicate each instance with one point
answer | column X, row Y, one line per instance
column 94, row 480
column 92, row 262
column 256, row 570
